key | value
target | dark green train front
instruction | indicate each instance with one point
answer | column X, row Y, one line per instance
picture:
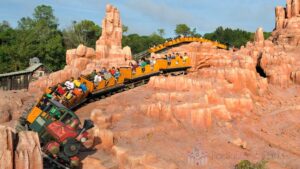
column 59, row 131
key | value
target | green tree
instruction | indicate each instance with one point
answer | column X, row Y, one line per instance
column 231, row 37
column 267, row 34
column 39, row 37
column 8, row 62
column 25, row 23
column 182, row 29
column 195, row 34
column 161, row 32
column 141, row 43
column 125, row 29
column 85, row 32
column 44, row 13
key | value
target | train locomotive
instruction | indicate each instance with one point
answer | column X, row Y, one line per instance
column 59, row 130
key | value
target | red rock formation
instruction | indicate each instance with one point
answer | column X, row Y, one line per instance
column 6, row 149
column 152, row 122
column 28, row 151
column 287, row 31
column 280, row 17
column 110, row 41
column 222, row 88
column 13, row 104
column 295, row 7
column 27, row 154
column 259, row 36
column 84, row 60
column 292, row 8
column 289, row 8
column 277, row 57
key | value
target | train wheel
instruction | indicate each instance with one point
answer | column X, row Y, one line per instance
column 131, row 86
column 71, row 147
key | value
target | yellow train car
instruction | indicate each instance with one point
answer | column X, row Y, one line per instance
column 70, row 101
column 177, row 64
column 139, row 74
column 105, row 86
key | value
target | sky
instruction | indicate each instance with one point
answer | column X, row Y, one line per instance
column 146, row 16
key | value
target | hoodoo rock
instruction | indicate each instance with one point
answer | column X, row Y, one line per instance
column 84, row 60
column 110, row 42
column 289, row 8
column 259, row 36
column 287, row 30
column 295, row 7
column 27, row 153
column 111, row 29
column 280, row 17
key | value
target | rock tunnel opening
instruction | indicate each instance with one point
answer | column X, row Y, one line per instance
column 259, row 69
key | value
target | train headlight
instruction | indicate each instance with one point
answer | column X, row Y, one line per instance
column 83, row 139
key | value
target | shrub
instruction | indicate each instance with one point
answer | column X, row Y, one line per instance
column 245, row 164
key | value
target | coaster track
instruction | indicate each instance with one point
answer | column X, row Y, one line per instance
column 176, row 42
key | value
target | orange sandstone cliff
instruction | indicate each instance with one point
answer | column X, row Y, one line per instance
column 231, row 106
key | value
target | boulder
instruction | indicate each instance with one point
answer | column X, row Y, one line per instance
column 239, row 142
column 106, row 136
column 70, row 56
column 81, row 50
column 90, row 53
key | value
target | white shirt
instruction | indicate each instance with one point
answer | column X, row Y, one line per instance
column 97, row 79
column 69, row 85
column 152, row 62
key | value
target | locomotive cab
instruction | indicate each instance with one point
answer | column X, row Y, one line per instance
column 42, row 115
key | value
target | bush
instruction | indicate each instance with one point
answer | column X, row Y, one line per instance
column 245, row 164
